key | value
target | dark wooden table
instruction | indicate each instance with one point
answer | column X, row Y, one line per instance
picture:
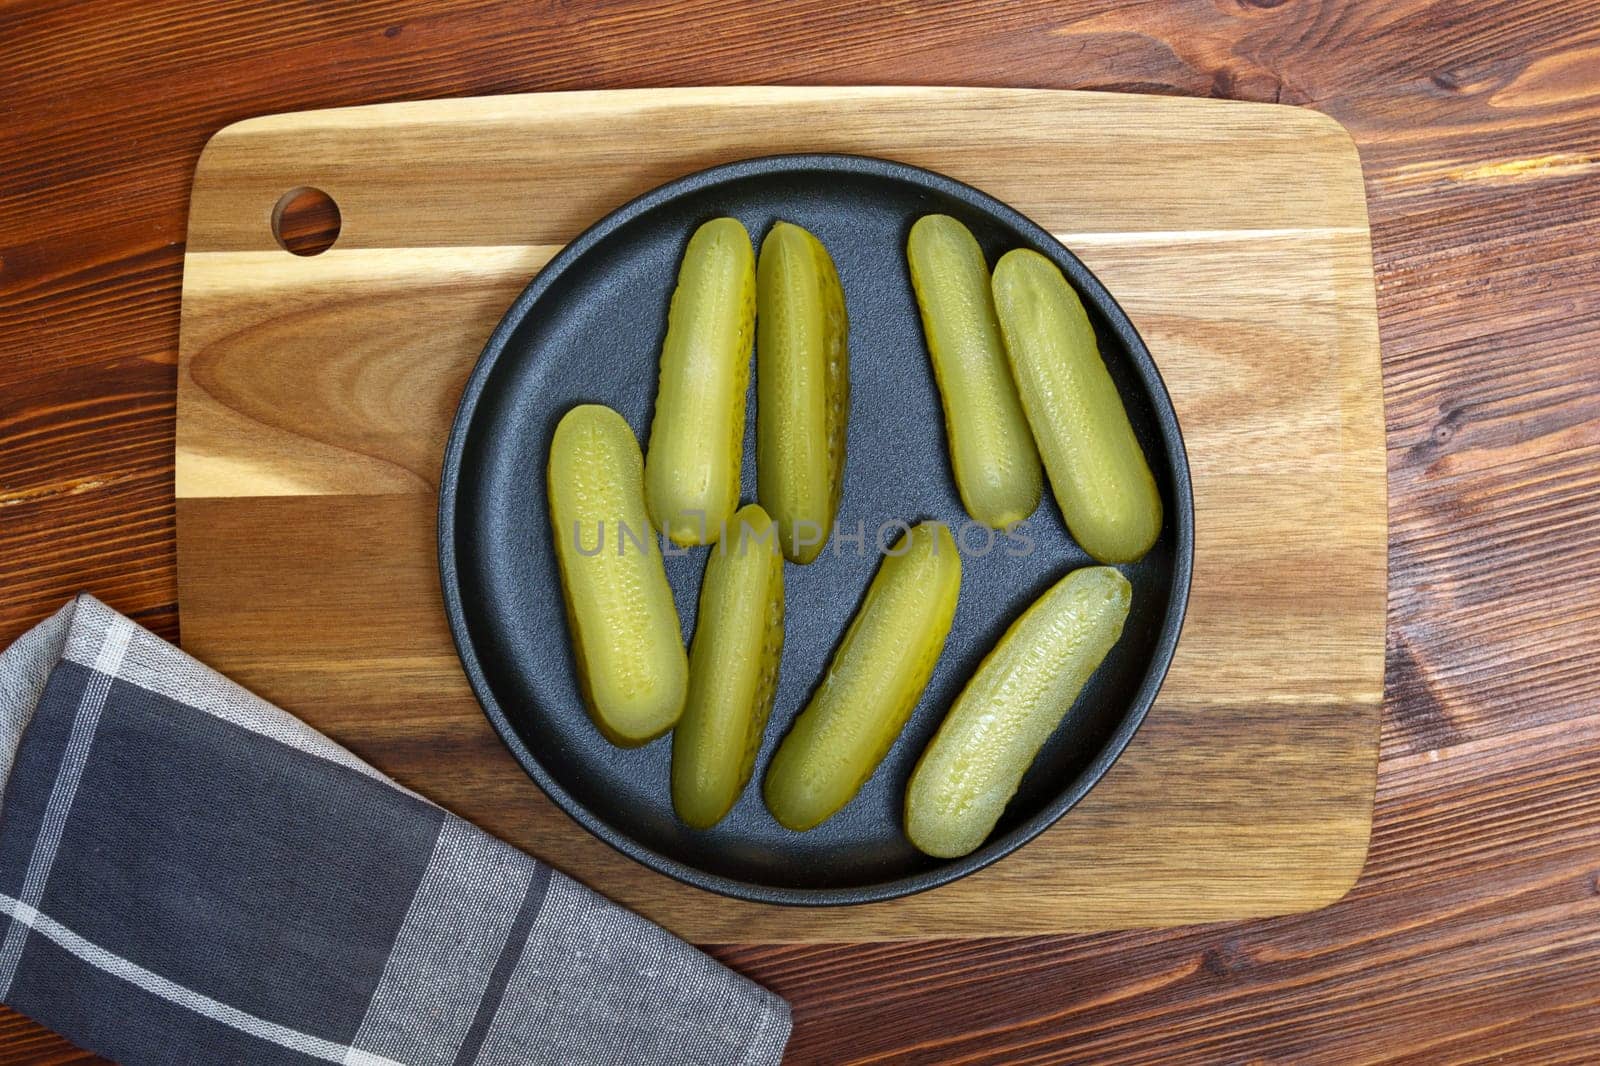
column 1475, row 931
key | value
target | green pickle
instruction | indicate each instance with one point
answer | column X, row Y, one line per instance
column 1097, row 469
column 992, row 453
column 733, row 670
column 1019, row 695
column 802, row 388
column 626, row 640
column 872, row 685
column 697, row 434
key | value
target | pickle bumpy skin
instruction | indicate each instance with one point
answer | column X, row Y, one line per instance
column 697, row 435
column 1097, row 470
column 733, row 670
column 626, row 640
column 991, row 448
column 1018, row 696
column 873, row 683
column 802, row 388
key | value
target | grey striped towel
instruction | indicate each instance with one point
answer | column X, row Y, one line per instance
column 190, row 875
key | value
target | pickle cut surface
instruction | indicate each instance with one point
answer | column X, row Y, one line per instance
column 697, row 431
column 733, row 670
column 873, row 683
column 992, row 454
column 1097, row 469
column 802, row 388
column 626, row 640
column 1017, row 697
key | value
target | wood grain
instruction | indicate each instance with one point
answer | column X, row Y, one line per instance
column 314, row 396
column 1470, row 935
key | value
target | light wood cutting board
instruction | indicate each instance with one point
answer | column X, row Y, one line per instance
column 315, row 395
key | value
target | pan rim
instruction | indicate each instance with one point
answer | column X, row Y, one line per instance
column 1093, row 293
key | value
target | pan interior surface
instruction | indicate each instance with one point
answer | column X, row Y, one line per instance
column 589, row 330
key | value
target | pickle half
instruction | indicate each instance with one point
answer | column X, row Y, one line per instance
column 1097, row 469
column 626, row 640
column 992, row 453
column 697, row 433
column 1020, row 693
column 873, row 683
column 802, row 388
column 733, row 670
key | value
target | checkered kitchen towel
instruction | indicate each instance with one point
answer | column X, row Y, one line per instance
column 190, row 875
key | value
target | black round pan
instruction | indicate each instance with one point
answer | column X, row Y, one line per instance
column 588, row 330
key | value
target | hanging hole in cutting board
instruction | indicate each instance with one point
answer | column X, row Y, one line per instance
column 305, row 221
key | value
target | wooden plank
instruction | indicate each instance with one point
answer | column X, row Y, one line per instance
column 315, row 395
column 538, row 169
column 346, row 395
column 1205, row 817
column 1470, row 934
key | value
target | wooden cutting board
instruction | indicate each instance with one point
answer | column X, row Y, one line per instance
column 314, row 397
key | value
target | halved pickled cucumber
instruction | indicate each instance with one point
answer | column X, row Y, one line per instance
column 1020, row 693
column 733, row 670
column 626, row 640
column 802, row 388
column 697, row 434
column 991, row 449
column 873, row 683
column 1097, row 469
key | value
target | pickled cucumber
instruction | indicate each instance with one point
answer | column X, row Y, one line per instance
column 991, row 448
column 626, row 640
column 697, row 435
column 1097, row 470
column 873, row 683
column 733, row 670
column 1020, row 693
column 802, row 388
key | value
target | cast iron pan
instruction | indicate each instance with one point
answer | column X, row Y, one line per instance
column 588, row 330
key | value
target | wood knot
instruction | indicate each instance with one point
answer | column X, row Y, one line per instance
column 1256, row 84
column 1416, row 702
column 1445, row 429
column 1226, row 959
